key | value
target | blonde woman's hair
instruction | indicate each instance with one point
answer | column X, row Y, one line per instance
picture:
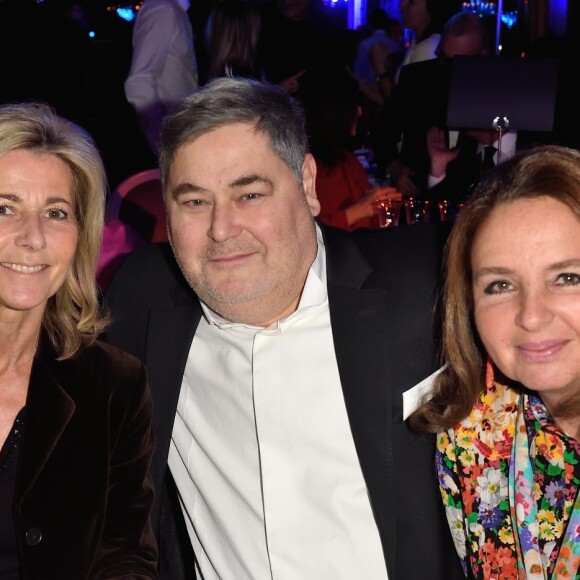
column 73, row 315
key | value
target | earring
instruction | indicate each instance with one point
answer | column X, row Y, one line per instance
column 489, row 375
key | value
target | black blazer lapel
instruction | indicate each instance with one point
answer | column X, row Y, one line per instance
column 168, row 342
column 381, row 291
column 357, row 317
column 48, row 411
column 357, row 323
column 169, row 338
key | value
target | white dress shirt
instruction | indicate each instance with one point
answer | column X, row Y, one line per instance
column 262, row 452
column 508, row 147
column 163, row 65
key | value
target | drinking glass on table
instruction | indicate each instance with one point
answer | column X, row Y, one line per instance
column 417, row 210
column 388, row 210
column 449, row 210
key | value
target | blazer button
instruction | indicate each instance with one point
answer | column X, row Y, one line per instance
column 33, row 536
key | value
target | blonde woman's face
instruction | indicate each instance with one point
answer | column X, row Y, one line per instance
column 526, row 291
column 38, row 230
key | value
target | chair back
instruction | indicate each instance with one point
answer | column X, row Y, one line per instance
column 138, row 201
column 135, row 216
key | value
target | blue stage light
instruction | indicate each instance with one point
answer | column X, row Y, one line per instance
column 127, row 14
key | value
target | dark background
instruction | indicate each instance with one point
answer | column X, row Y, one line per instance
column 46, row 54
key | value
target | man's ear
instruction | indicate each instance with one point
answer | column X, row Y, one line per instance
column 309, row 184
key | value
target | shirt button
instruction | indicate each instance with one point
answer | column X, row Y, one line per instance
column 33, row 536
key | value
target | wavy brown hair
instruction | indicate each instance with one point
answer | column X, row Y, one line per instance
column 73, row 314
column 543, row 171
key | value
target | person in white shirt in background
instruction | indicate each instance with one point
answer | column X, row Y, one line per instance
column 425, row 18
column 163, row 65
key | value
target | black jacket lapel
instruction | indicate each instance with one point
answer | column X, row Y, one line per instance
column 358, row 326
column 169, row 338
column 44, row 393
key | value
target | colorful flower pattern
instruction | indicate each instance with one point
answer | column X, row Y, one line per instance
column 473, row 466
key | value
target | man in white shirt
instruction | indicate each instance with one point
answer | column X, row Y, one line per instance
column 163, row 65
column 278, row 380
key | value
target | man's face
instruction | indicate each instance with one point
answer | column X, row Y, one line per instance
column 241, row 226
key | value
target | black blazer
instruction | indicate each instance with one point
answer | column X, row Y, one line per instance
column 83, row 492
column 418, row 102
column 381, row 290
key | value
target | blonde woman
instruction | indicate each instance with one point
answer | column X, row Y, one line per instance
column 75, row 414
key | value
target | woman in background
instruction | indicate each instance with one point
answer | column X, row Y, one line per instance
column 331, row 104
column 233, row 32
column 75, row 414
column 507, row 403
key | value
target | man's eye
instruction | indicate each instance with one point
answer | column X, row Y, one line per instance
column 251, row 196
column 5, row 210
column 195, row 202
column 498, row 287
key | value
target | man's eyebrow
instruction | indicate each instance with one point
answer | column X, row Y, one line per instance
column 249, row 179
column 244, row 180
column 184, row 188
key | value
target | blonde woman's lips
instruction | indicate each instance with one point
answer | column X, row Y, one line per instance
column 23, row 269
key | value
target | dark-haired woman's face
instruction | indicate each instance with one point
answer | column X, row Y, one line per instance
column 526, row 291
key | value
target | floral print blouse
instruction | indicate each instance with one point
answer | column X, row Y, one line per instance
column 509, row 480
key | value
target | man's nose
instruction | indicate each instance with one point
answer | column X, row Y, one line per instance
column 224, row 222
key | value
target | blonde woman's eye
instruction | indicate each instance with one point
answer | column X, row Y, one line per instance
column 57, row 214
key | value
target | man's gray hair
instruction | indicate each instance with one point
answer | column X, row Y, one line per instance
column 225, row 101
